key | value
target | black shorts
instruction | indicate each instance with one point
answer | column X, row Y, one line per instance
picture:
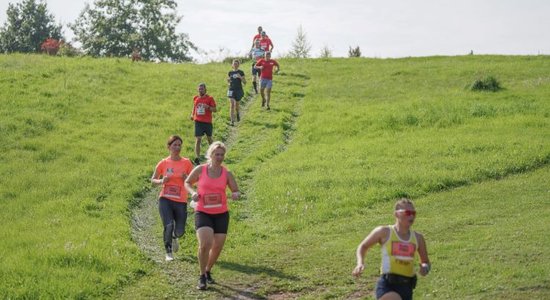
column 218, row 222
column 394, row 283
column 202, row 128
column 254, row 70
column 235, row 94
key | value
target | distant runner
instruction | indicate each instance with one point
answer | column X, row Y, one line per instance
column 203, row 106
column 266, row 66
column 256, row 54
column 173, row 196
column 265, row 42
column 258, row 36
column 399, row 245
column 211, row 210
column 235, row 79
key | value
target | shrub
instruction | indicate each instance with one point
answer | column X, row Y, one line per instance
column 489, row 83
column 354, row 52
column 50, row 46
column 325, row 52
column 67, row 49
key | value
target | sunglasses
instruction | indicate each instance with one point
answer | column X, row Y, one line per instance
column 407, row 212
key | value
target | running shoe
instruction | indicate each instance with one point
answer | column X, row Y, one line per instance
column 197, row 161
column 209, row 278
column 202, row 283
column 169, row 257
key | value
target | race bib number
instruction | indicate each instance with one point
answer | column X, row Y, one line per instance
column 173, row 191
column 201, row 110
column 212, row 200
column 403, row 251
column 230, row 93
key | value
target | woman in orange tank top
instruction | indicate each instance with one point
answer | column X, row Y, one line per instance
column 211, row 211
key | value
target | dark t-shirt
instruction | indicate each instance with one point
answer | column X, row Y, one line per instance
column 235, row 83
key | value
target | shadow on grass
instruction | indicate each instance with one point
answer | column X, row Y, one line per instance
column 256, row 270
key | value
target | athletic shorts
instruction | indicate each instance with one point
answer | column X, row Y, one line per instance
column 254, row 70
column 235, row 94
column 266, row 83
column 384, row 286
column 218, row 222
column 202, row 128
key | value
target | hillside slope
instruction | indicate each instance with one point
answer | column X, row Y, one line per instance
column 80, row 137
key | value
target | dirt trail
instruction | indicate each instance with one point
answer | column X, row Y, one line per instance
column 180, row 273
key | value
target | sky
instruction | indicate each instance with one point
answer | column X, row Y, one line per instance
column 382, row 29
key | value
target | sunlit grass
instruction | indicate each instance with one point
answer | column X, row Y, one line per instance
column 80, row 137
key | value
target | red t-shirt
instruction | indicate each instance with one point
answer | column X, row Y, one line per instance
column 257, row 37
column 200, row 113
column 265, row 43
column 267, row 70
column 173, row 189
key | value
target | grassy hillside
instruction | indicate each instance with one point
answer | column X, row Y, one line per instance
column 345, row 137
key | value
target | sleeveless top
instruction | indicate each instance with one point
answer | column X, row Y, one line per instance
column 398, row 254
column 212, row 197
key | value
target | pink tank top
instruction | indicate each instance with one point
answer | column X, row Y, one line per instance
column 212, row 197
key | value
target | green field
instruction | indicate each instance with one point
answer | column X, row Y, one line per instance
column 80, row 138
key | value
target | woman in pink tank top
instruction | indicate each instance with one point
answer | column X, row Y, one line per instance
column 211, row 211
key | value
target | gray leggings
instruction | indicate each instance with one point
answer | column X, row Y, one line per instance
column 174, row 216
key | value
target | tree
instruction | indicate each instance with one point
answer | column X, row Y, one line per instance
column 325, row 52
column 300, row 46
column 117, row 27
column 27, row 26
column 354, row 52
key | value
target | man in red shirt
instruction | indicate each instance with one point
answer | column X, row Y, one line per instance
column 203, row 106
column 266, row 66
column 265, row 42
column 257, row 36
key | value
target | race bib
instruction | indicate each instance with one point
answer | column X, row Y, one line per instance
column 212, row 200
column 403, row 251
column 201, row 110
column 173, row 191
column 229, row 93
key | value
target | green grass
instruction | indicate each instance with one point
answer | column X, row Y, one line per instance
column 80, row 137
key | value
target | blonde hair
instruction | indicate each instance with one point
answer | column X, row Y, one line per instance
column 402, row 202
column 212, row 148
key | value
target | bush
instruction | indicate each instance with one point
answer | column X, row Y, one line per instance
column 354, row 52
column 66, row 49
column 489, row 83
column 50, row 46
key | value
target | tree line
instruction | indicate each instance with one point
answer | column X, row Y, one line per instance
column 106, row 28
column 115, row 28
